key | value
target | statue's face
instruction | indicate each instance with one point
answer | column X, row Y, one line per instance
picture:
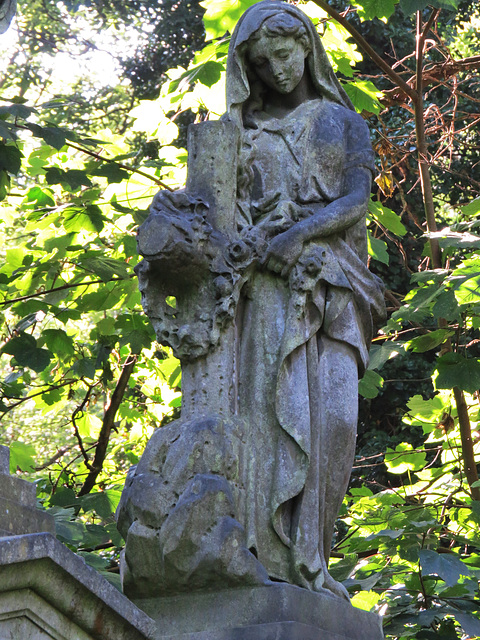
column 279, row 61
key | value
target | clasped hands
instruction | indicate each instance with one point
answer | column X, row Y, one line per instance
column 284, row 249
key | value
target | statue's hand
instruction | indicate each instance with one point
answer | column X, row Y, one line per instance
column 172, row 201
column 283, row 252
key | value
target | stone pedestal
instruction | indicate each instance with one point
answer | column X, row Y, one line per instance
column 48, row 593
column 18, row 512
column 275, row 612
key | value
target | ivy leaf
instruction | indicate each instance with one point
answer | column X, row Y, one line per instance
column 429, row 340
column 456, row 371
column 447, row 566
column 364, row 96
column 386, row 217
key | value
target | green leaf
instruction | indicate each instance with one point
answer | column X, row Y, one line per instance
column 466, row 282
column 105, row 268
column 104, row 503
column 112, row 172
column 370, row 385
column 26, row 352
column 472, row 208
column 364, row 96
column 58, row 342
column 74, row 178
column 210, row 73
column 221, row 17
column 40, row 197
column 412, row 6
column 17, row 111
column 10, row 158
column 53, row 136
column 429, row 340
column 369, row 9
column 469, row 623
column 89, row 426
column 366, row 600
column 85, row 368
column 88, row 219
column 456, row 371
column 404, row 458
column 377, row 249
column 447, row 238
column 445, row 565
column 386, row 217
column 380, row 354
column 22, row 456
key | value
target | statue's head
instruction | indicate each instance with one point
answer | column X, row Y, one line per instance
column 274, row 42
column 276, row 52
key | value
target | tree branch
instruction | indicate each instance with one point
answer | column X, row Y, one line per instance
column 107, row 425
column 392, row 75
column 62, row 288
column 97, row 156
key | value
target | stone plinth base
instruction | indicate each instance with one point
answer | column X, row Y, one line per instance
column 275, row 612
column 49, row 593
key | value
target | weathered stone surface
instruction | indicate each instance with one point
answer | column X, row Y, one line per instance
column 17, row 519
column 26, row 616
column 265, row 253
column 177, row 513
column 276, row 612
column 4, row 460
column 18, row 490
column 18, row 513
column 47, row 591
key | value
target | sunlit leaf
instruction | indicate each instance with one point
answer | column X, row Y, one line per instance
column 364, row 96
column 456, row 370
column 386, row 217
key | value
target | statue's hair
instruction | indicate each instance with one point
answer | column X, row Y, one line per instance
column 283, row 24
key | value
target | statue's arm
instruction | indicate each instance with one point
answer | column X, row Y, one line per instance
column 339, row 214
column 285, row 249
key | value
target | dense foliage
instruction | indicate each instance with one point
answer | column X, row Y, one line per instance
column 83, row 383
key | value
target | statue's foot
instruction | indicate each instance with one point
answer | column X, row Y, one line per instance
column 328, row 583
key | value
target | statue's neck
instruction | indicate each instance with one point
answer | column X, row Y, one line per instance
column 279, row 105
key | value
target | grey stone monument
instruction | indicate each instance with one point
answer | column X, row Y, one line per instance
column 255, row 274
column 47, row 592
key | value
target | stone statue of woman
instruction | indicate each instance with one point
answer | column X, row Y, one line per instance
column 274, row 317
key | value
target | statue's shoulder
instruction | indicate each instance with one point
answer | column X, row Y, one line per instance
column 349, row 117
